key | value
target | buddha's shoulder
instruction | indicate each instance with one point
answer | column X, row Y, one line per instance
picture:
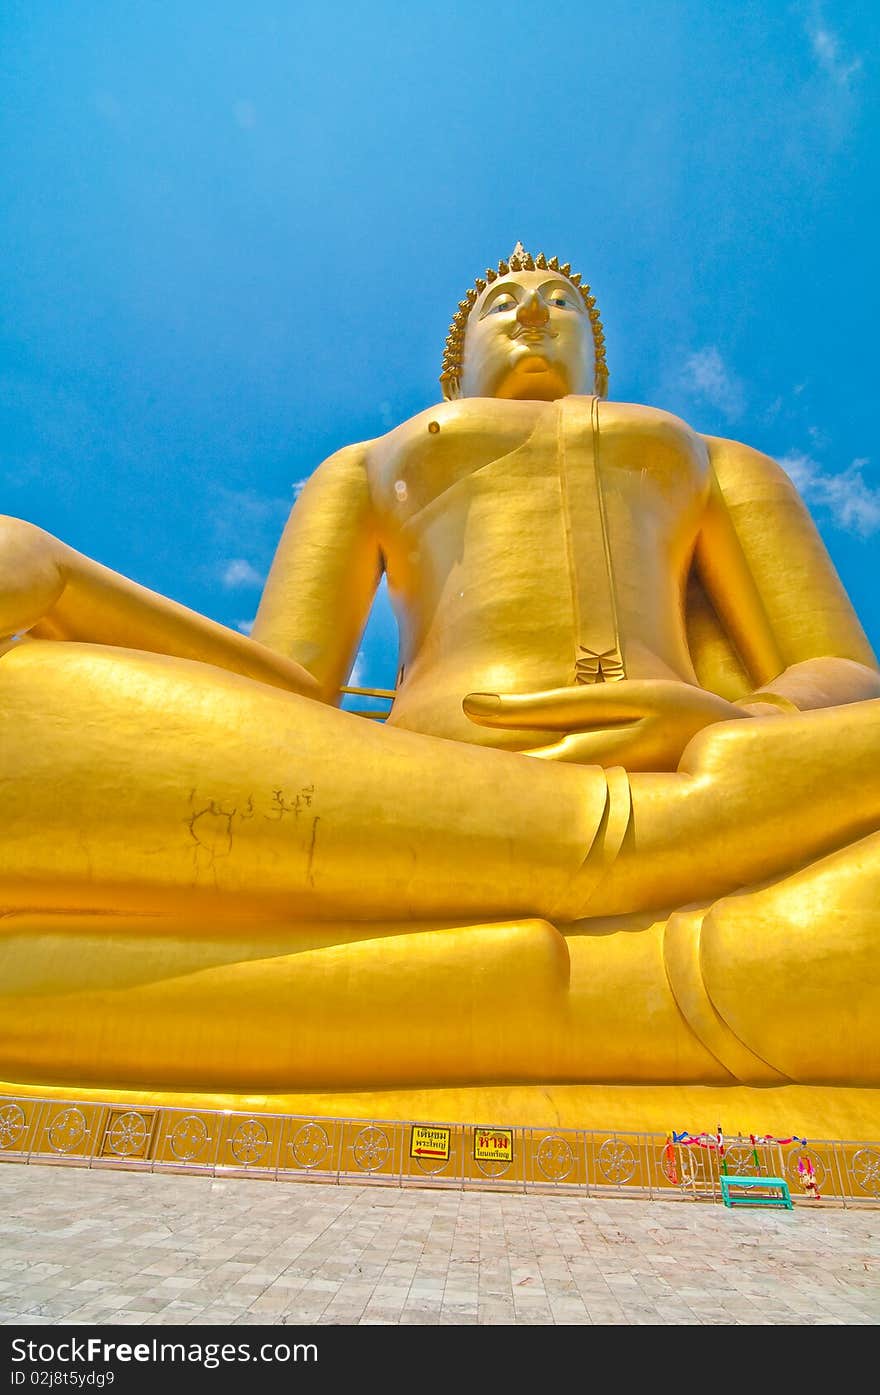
column 639, row 420
column 741, row 469
column 738, row 465
column 497, row 424
column 467, row 414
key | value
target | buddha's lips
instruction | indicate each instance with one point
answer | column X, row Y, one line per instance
column 533, row 336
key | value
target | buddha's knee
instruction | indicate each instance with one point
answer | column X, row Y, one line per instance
column 31, row 576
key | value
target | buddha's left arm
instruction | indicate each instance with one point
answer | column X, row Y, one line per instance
column 325, row 573
column 775, row 588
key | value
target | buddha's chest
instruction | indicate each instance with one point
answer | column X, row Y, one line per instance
column 641, row 468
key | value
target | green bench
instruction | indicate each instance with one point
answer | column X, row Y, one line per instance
column 756, row 1191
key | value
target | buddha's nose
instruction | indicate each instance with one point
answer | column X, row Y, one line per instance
column 532, row 312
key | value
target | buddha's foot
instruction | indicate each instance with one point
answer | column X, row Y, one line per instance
column 141, row 1002
column 774, row 985
column 784, row 982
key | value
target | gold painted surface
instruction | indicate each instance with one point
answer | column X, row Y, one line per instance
column 813, row 1112
column 618, row 833
column 397, row 1151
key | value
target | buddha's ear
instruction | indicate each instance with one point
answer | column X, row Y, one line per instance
column 451, row 385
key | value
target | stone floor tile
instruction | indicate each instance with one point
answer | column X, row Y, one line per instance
column 131, row 1247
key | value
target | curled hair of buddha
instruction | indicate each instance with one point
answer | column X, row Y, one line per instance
column 519, row 260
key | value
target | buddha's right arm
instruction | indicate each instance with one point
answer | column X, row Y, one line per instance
column 823, row 655
column 325, row 573
column 51, row 591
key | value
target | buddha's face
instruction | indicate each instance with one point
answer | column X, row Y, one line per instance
column 528, row 336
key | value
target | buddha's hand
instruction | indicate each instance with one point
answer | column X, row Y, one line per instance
column 642, row 724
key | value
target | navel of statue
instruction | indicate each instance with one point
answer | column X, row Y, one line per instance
column 627, row 787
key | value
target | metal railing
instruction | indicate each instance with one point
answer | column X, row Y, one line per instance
column 503, row 1157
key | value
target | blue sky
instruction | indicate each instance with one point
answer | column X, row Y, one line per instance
column 233, row 237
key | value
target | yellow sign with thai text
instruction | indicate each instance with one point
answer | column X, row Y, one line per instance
column 493, row 1145
column 429, row 1141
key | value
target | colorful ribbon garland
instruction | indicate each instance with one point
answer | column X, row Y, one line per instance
column 716, row 1144
column 716, row 1140
column 807, row 1175
column 671, row 1169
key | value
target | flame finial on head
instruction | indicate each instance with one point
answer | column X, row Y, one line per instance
column 519, row 260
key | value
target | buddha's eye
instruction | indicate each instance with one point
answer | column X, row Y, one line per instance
column 559, row 299
column 501, row 304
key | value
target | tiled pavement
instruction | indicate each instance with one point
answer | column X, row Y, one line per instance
column 100, row 1247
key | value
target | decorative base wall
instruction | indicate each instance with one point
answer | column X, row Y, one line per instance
column 285, row 1147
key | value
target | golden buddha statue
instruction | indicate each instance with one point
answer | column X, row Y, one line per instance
column 616, row 843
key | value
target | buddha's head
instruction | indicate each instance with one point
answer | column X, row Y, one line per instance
column 528, row 330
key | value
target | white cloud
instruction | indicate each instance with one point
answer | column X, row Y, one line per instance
column 245, row 626
column 358, row 671
column 827, row 50
column 853, row 504
column 299, row 486
column 706, row 376
column 245, row 527
column 801, row 470
column 239, row 572
column 242, row 521
column 818, row 437
column 243, row 514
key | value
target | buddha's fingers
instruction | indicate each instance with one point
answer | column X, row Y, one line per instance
column 643, row 724
column 557, row 709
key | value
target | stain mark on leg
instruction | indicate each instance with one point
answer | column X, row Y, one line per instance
column 309, row 869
